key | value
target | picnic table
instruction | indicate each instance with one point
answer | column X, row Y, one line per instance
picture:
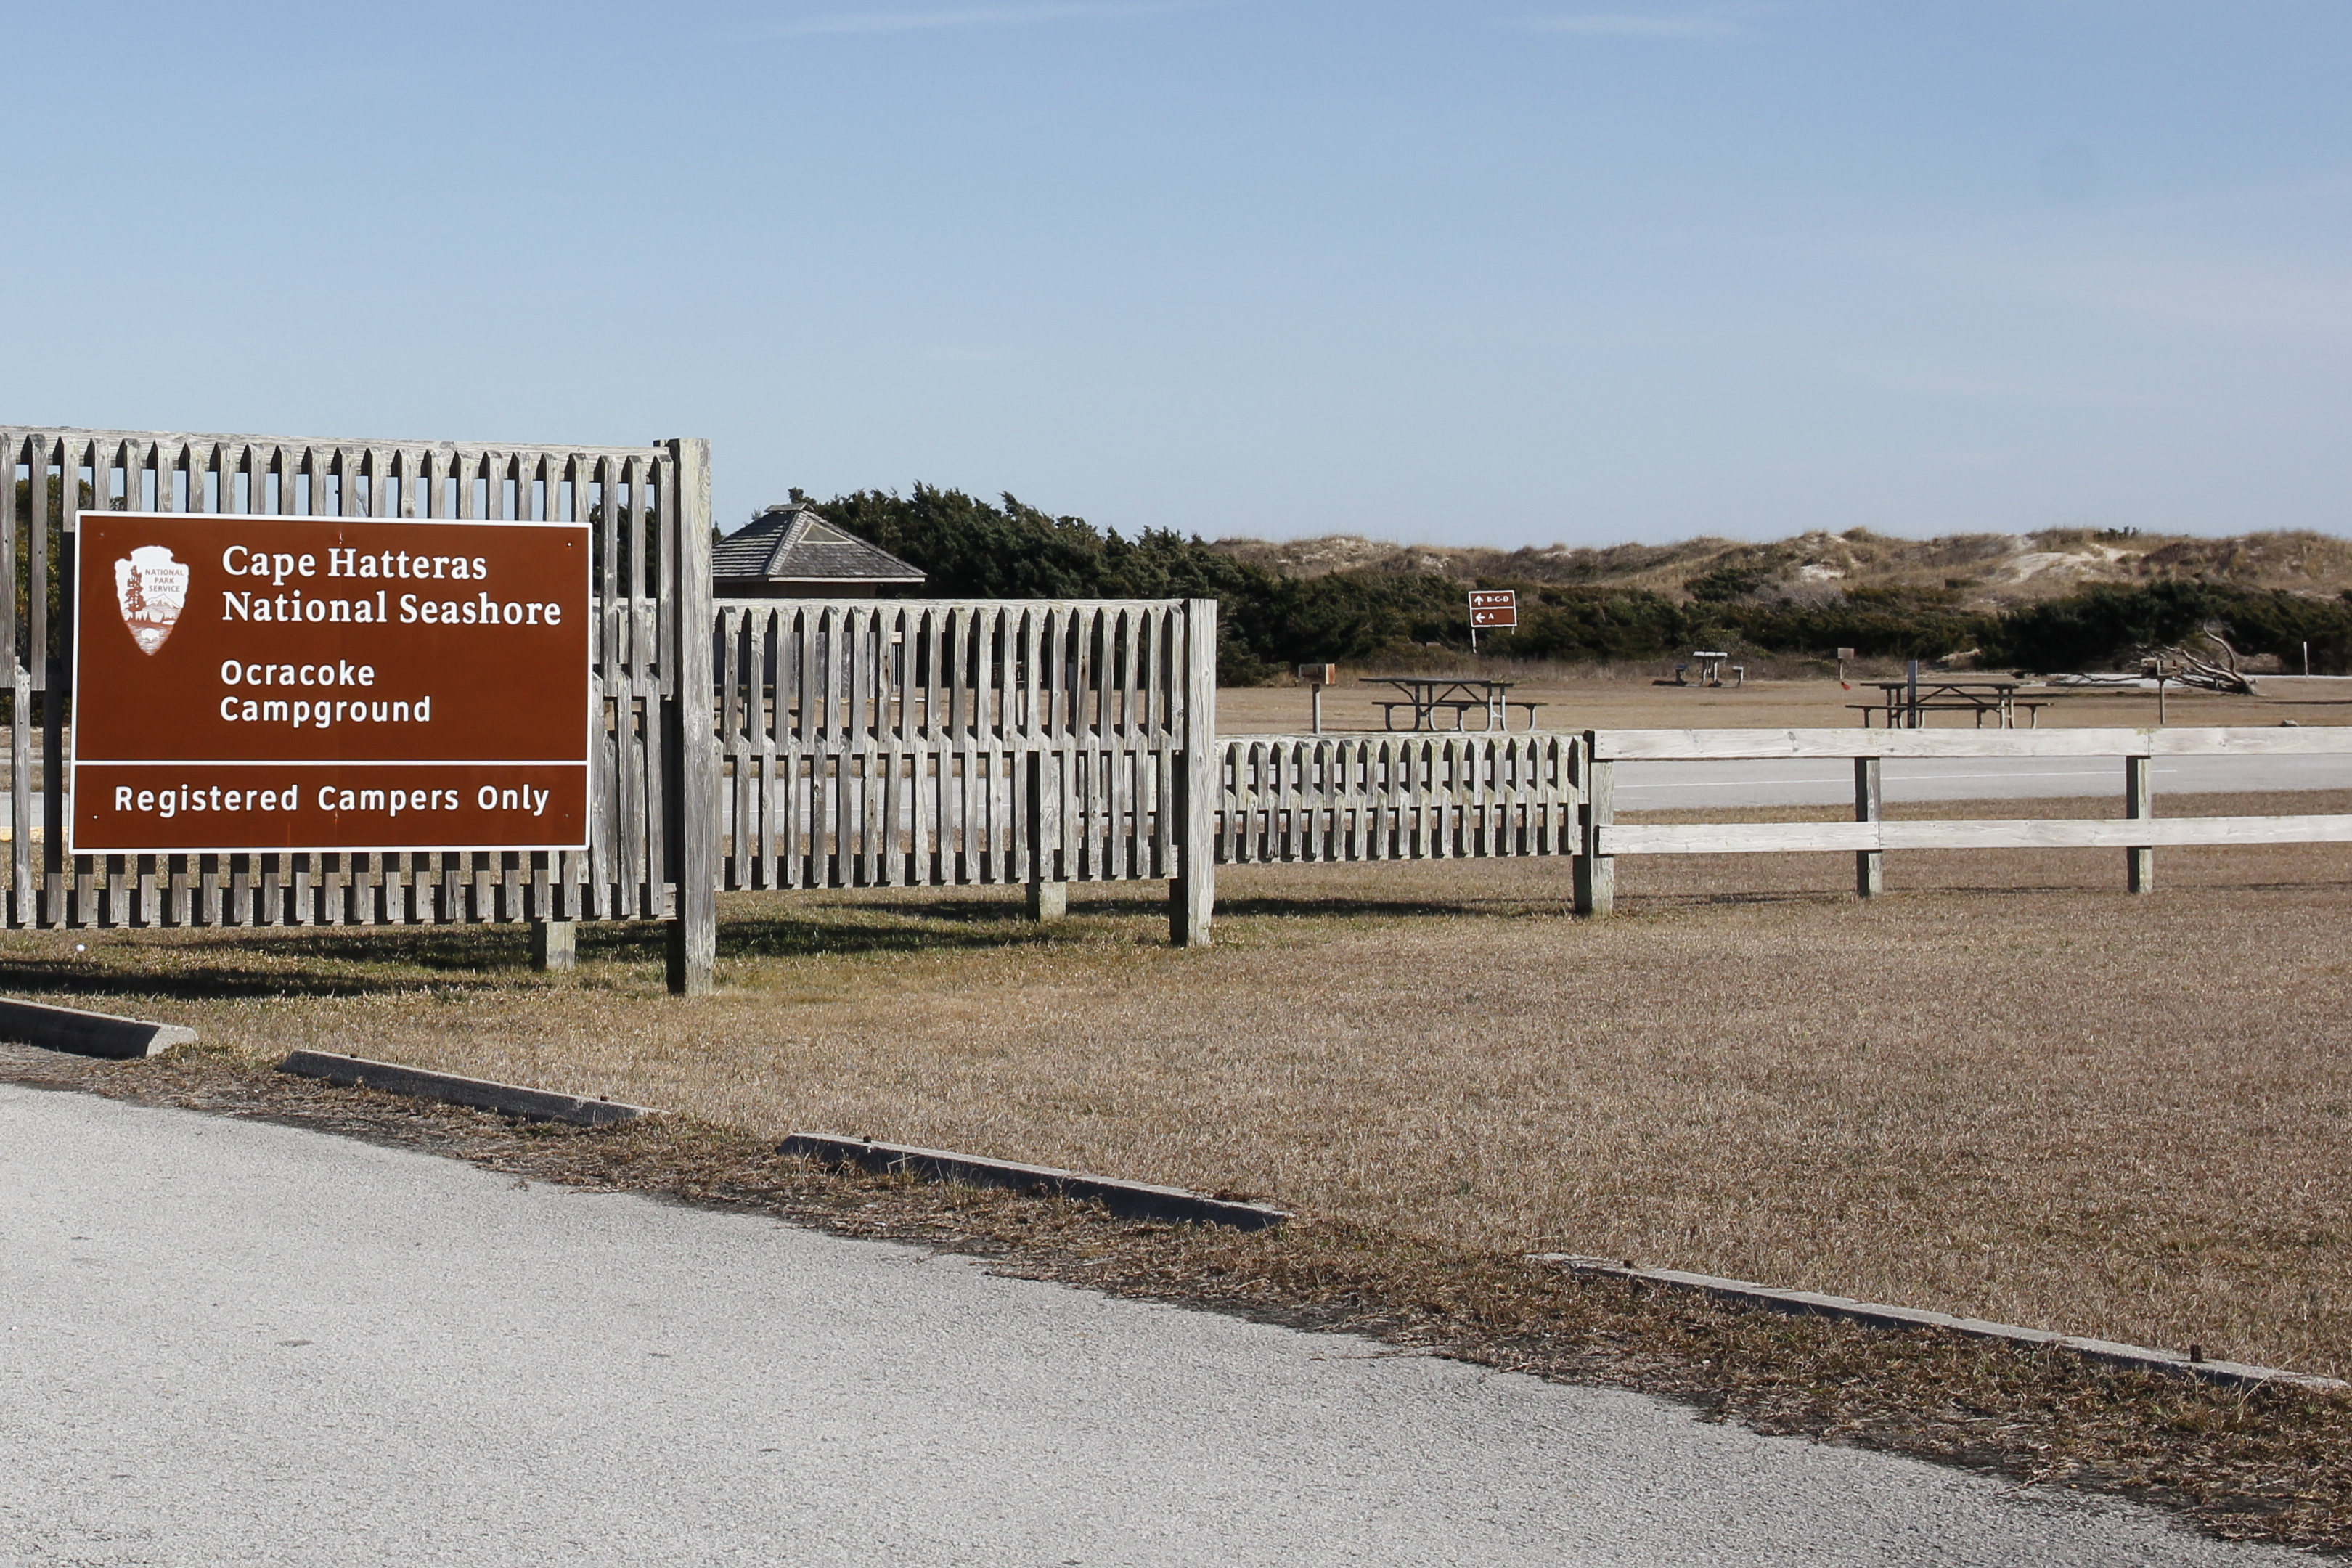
column 1905, row 705
column 1427, row 696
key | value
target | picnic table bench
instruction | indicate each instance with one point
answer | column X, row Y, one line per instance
column 1459, row 709
column 2032, row 710
column 1906, row 705
column 1426, row 697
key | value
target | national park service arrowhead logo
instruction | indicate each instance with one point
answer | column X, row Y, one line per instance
column 152, row 589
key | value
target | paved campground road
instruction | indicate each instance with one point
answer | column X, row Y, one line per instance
column 233, row 1342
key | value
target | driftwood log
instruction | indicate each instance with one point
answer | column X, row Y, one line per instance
column 2219, row 673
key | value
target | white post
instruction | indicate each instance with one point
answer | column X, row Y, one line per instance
column 1049, row 897
column 689, row 742
column 1193, row 896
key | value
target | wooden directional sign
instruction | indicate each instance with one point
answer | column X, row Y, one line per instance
column 295, row 683
column 1493, row 607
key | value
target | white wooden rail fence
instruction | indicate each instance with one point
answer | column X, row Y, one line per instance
column 1397, row 796
column 2139, row 833
column 899, row 743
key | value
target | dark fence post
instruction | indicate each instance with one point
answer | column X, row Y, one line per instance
column 53, row 638
column 1595, row 873
column 690, row 745
column 1869, row 805
column 2139, row 805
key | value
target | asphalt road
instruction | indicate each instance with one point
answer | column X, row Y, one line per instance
column 229, row 1342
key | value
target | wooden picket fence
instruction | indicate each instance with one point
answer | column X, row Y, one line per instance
column 1397, row 796
column 898, row 742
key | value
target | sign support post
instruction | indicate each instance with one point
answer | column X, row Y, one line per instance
column 1497, row 608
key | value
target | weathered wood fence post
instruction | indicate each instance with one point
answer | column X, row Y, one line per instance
column 1192, row 895
column 21, row 904
column 2139, row 805
column 554, row 946
column 1049, row 895
column 1595, row 873
column 53, row 649
column 1869, row 805
column 690, row 750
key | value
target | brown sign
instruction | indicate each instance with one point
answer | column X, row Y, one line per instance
column 1494, row 607
column 275, row 683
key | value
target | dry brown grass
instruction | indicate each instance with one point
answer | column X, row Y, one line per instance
column 1590, row 698
column 2008, row 1088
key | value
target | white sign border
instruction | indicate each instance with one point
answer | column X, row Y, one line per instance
column 590, row 715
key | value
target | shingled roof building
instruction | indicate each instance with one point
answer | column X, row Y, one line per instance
column 789, row 552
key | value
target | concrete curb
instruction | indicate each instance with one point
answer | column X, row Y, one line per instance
column 1129, row 1200
column 532, row 1104
column 59, row 1029
column 1808, row 1303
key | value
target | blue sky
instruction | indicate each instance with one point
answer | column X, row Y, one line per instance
column 1502, row 271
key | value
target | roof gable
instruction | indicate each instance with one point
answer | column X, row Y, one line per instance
column 796, row 545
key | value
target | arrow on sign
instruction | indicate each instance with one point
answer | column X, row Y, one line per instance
column 1491, row 607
